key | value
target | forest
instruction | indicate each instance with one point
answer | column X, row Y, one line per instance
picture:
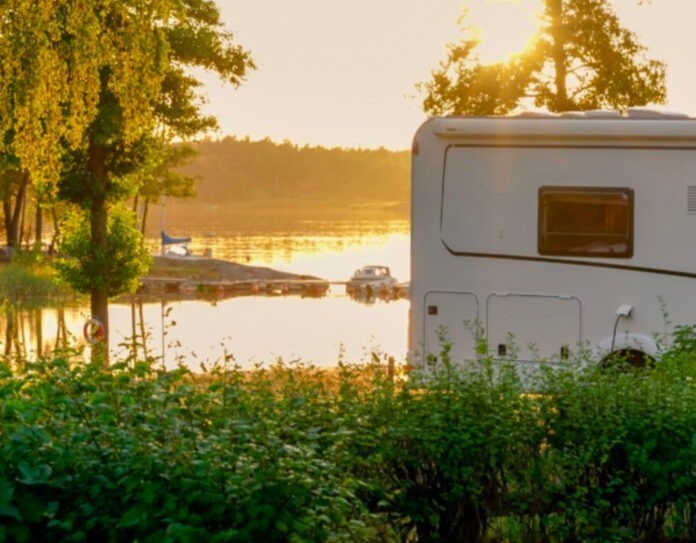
column 233, row 170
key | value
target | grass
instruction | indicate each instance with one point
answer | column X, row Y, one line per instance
column 32, row 280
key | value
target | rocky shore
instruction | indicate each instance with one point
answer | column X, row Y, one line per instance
column 196, row 277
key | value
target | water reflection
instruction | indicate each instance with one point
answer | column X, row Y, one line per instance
column 30, row 332
column 252, row 329
column 255, row 327
column 325, row 243
column 261, row 329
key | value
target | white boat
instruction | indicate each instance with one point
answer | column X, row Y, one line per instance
column 176, row 247
column 375, row 278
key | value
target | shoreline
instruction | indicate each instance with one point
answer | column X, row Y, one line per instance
column 199, row 277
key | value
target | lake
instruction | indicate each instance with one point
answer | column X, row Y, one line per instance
column 259, row 328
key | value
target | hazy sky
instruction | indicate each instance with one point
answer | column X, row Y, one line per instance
column 343, row 73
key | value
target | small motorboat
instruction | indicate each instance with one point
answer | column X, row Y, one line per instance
column 371, row 278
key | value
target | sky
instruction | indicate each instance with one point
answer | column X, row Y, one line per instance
column 342, row 73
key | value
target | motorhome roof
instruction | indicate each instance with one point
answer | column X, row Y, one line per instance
column 635, row 124
column 630, row 113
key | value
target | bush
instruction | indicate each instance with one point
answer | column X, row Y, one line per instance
column 359, row 453
column 21, row 281
column 137, row 455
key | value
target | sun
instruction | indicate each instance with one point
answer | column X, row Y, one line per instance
column 507, row 26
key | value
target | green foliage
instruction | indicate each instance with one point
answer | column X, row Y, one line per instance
column 241, row 170
column 463, row 85
column 117, row 268
column 581, row 59
column 360, row 453
column 162, row 176
column 134, row 454
column 86, row 88
column 24, row 281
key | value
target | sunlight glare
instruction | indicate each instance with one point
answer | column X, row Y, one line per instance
column 507, row 26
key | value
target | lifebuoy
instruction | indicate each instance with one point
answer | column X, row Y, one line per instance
column 93, row 331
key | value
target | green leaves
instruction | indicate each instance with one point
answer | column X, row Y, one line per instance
column 33, row 475
column 117, row 269
column 91, row 94
column 581, row 59
column 294, row 453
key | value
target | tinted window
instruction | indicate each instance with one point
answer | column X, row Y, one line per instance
column 586, row 221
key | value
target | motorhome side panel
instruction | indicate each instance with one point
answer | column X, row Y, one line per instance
column 479, row 231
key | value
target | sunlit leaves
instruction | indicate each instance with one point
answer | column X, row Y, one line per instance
column 581, row 59
column 116, row 269
column 57, row 57
column 604, row 64
column 86, row 89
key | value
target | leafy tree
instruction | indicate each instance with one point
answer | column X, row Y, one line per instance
column 85, row 84
column 463, row 85
column 581, row 59
column 124, row 262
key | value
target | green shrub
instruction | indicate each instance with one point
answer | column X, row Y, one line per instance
column 360, row 453
column 25, row 282
column 624, row 448
column 136, row 455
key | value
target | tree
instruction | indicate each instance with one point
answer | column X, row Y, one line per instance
column 119, row 268
column 94, row 82
column 33, row 121
column 581, row 59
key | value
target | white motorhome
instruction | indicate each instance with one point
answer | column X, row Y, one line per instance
column 554, row 233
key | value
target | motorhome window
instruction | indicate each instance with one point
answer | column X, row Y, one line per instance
column 586, row 221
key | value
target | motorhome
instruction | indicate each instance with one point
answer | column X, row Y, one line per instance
column 553, row 234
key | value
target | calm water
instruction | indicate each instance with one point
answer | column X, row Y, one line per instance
column 255, row 329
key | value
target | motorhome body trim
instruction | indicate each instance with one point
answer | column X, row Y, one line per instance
column 581, row 261
column 572, row 262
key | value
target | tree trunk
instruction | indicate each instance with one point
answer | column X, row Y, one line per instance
column 557, row 31
column 99, row 296
column 61, row 328
column 98, row 220
column 143, row 332
column 22, row 215
column 56, row 230
column 38, row 323
column 143, row 218
column 9, row 331
column 7, row 215
column 13, row 213
column 39, row 225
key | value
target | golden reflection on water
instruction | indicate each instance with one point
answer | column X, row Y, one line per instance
column 261, row 329
column 327, row 257
column 327, row 248
column 327, row 245
column 31, row 332
column 254, row 328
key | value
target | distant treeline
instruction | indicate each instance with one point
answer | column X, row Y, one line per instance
column 234, row 169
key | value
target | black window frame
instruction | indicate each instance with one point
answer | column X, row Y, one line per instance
column 545, row 245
